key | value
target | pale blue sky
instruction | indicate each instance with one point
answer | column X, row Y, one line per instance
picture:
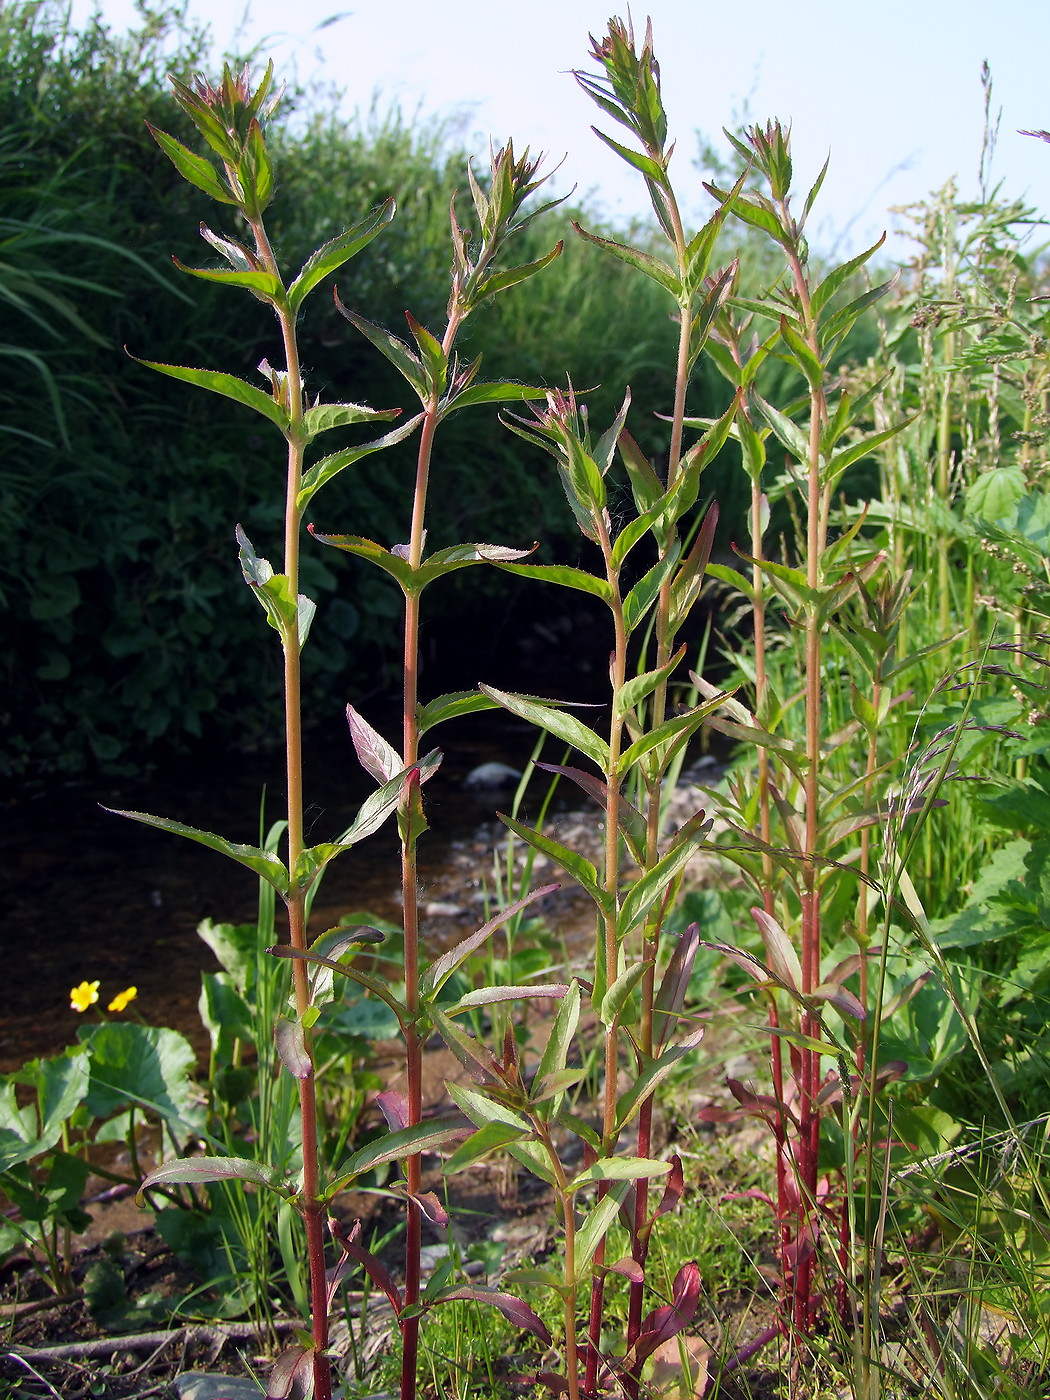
column 891, row 89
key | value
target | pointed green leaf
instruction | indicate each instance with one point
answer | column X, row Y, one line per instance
column 452, row 706
column 489, row 1138
column 564, row 575
column 192, row 167
column 596, row 1226
column 638, row 687
column 612, row 1003
column 581, row 869
column 789, row 434
column 621, row 1169
column 428, row 1136
column 649, row 168
column 337, row 251
column 839, row 276
column 495, row 392
column 263, row 863
column 195, row 1170
column 337, row 415
column 653, row 1072
column 650, row 887
column 563, row 726
column 803, row 355
column 229, row 386
column 656, row 268
column 441, row 969
column 396, row 351
column 266, row 285
column 500, row 281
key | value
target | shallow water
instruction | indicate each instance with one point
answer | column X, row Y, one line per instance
column 90, row 895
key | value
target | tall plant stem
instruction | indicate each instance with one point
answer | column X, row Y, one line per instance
column 640, row 1232
column 410, row 888
column 610, row 944
column 809, row 1117
column 312, row 1205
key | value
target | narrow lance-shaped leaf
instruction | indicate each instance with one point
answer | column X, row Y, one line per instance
column 563, row 726
column 227, row 385
column 656, row 268
column 194, row 1170
column 337, row 251
column 328, row 467
column 263, row 863
column 395, row 350
column 441, row 969
column 192, row 167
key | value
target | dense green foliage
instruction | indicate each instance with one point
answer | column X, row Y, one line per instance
column 117, row 491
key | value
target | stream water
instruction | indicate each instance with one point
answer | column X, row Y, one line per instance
column 88, row 895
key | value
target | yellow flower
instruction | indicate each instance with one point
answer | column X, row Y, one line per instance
column 121, row 1000
column 80, row 998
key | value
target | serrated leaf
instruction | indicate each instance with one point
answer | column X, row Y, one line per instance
column 563, row 726
column 192, row 167
column 839, row 276
column 263, row 863
column 511, row 276
column 326, row 416
column 564, row 575
column 394, row 349
column 452, row 706
column 660, row 271
column 195, row 1170
column 789, row 434
column 337, row 251
column 495, row 392
column 228, row 386
column 328, row 467
column 265, row 285
column 638, row 687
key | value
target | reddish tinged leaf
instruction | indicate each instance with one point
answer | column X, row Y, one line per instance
column 674, row 985
column 394, row 1107
column 430, row 1207
column 783, row 960
column 842, row 999
column 442, row 968
column 673, row 1188
column 291, row 1046
column 373, row 1268
column 294, row 1364
column 518, row 1313
column 630, row 1268
column 556, row 1384
column 666, row 1322
column 375, row 755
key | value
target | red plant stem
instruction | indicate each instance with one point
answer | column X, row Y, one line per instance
column 312, row 1205
column 410, row 891
column 610, row 950
column 640, row 1226
column 809, row 1115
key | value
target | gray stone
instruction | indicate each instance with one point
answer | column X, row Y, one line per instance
column 206, row 1385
